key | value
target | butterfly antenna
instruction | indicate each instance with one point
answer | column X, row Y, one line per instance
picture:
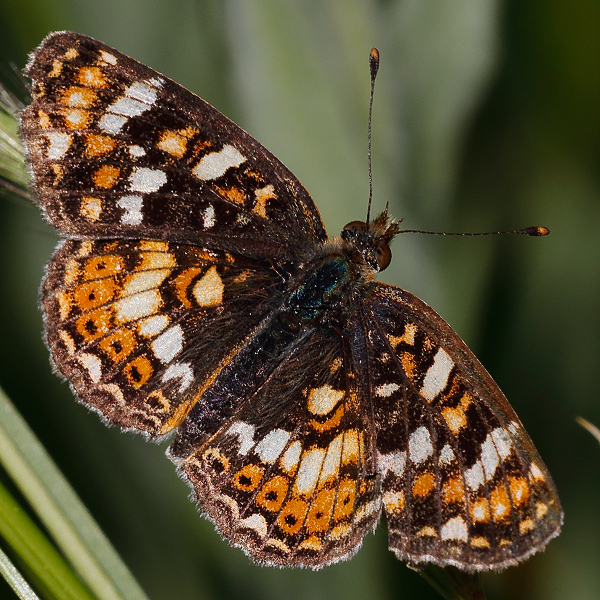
column 533, row 231
column 374, row 67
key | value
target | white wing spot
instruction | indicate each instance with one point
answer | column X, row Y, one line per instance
column 272, row 445
column 386, row 390
column 132, row 205
column 168, row 344
column 216, row 164
column 59, row 144
column 420, row 447
column 92, row 364
column 394, row 462
column 182, row 371
column 245, row 434
column 112, row 123
column 291, row 456
column 153, row 325
column 145, row 180
column 256, row 522
column 309, row 471
column 474, row 476
column 446, row 456
column 132, row 308
column 107, row 57
column 489, row 457
column 502, row 442
column 331, row 464
column 437, row 375
column 208, row 217
column 454, row 529
column 136, row 151
column 323, row 400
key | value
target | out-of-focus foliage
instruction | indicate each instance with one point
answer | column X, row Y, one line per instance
column 486, row 117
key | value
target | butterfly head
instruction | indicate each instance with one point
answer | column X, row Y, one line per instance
column 372, row 240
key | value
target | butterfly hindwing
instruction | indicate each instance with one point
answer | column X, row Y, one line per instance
column 117, row 149
column 140, row 327
column 462, row 482
column 291, row 477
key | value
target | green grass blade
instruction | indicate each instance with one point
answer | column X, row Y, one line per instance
column 60, row 510
column 47, row 569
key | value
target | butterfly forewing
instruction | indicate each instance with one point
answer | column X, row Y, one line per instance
column 462, row 483
column 117, row 149
column 198, row 294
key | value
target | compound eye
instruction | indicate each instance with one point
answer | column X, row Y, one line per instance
column 355, row 226
column 384, row 256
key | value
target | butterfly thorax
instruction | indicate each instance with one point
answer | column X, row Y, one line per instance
column 341, row 269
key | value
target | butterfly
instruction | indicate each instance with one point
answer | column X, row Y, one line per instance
column 196, row 294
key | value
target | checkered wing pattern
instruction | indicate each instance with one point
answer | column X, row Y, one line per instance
column 130, row 324
column 462, row 482
column 197, row 293
column 118, row 150
column 290, row 477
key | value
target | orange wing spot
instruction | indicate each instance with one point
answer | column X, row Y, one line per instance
column 182, row 282
column 106, row 176
column 428, row 344
column 234, row 194
column 154, row 245
column 320, row 511
column 480, row 510
column 96, row 145
column 454, row 387
column 71, row 53
column 262, row 196
column 273, row 493
column 58, row 173
column 330, row 423
column 175, row 142
column 504, row 542
column 351, row 447
column 156, row 260
column 291, row 518
column 119, row 345
column 335, row 365
column 500, row 503
column 423, row 485
column 103, row 266
column 344, row 503
column 56, row 68
column 455, row 418
column 44, row 120
column 540, row 509
column 408, row 364
column 138, row 371
column 427, row 531
column 158, row 402
column 408, row 337
column 208, row 291
column 311, row 543
column 85, row 248
column 248, row 478
column 453, row 491
column 92, row 77
column 339, row 531
column 64, row 304
column 76, row 118
column 479, row 542
column 90, row 208
column 94, row 293
column 79, row 97
column 71, row 272
column 526, row 525
column 94, row 324
column 519, row 490
column 394, row 501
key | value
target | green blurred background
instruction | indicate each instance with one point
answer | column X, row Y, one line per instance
column 487, row 116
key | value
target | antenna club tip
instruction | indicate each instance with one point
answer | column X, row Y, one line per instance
column 374, row 62
column 539, row 230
